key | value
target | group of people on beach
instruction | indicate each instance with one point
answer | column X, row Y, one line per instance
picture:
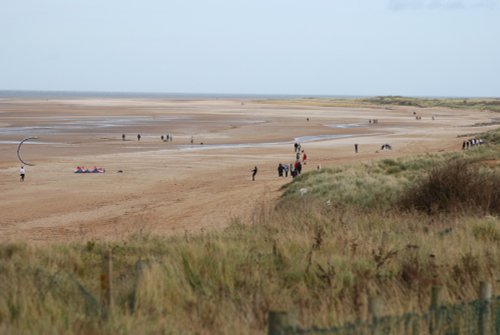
column 472, row 143
column 167, row 138
column 164, row 138
column 295, row 168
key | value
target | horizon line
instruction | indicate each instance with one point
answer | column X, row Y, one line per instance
column 89, row 93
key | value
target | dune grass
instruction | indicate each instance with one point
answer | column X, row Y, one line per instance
column 491, row 104
column 321, row 255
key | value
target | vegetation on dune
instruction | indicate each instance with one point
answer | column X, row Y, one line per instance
column 491, row 104
column 321, row 254
column 456, row 186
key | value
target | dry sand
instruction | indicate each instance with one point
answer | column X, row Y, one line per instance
column 174, row 186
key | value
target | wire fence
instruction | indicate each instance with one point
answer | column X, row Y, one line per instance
column 478, row 317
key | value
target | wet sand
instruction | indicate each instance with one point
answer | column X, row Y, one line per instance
column 175, row 186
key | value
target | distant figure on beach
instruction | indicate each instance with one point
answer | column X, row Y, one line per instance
column 162, row 138
column 192, row 139
column 280, row 170
column 307, row 119
column 297, row 167
column 168, row 137
column 356, row 148
column 138, row 137
column 171, row 137
column 304, row 157
column 254, row 172
column 22, row 173
column 123, row 137
column 463, row 145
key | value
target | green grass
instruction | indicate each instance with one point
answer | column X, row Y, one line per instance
column 379, row 185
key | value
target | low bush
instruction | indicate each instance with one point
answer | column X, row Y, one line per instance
column 455, row 186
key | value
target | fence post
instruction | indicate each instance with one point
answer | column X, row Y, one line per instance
column 279, row 322
column 436, row 302
column 485, row 312
column 106, row 279
column 375, row 307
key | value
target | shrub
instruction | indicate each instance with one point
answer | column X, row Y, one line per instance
column 455, row 186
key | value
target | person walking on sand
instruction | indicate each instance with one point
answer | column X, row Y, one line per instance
column 123, row 137
column 22, row 173
column 356, row 148
column 254, row 172
column 138, row 137
column 304, row 157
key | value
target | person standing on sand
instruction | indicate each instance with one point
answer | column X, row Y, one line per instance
column 254, row 172
column 123, row 137
column 356, row 148
column 22, row 173
column 138, row 137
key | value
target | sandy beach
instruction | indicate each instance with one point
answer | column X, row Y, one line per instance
column 176, row 186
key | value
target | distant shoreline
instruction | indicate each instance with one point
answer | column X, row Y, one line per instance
column 158, row 95
column 34, row 94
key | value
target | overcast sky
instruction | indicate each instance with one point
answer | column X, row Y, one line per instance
column 323, row 47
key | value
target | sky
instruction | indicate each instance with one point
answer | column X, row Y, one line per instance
column 306, row 47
